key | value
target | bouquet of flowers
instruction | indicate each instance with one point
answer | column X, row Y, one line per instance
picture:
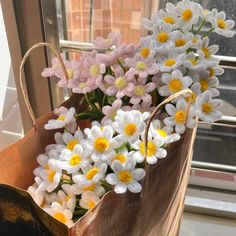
column 121, row 87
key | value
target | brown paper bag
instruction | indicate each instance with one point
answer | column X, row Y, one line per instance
column 157, row 210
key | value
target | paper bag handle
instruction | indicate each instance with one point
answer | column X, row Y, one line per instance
column 23, row 89
column 167, row 100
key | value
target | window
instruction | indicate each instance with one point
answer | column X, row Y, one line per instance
column 10, row 118
column 83, row 20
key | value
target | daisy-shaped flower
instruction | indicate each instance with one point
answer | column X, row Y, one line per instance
column 51, row 177
column 125, row 177
column 221, row 25
column 72, row 161
column 179, row 118
column 67, row 197
column 100, row 142
column 72, row 68
column 207, row 108
column 122, row 156
column 83, row 86
column 192, row 62
column 42, row 160
column 206, row 14
column 141, row 91
column 120, row 84
column 89, row 200
column 163, row 37
column 93, row 70
column 143, row 107
column 79, row 189
column 215, row 70
column 196, row 89
column 207, row 83
column 66, row 118
column 163, row 132
column 60, row 213
column 129, row 125
column 146, row 47
column 110, row 111
column 154, row 150
column 141, row 66
column 188, row 13
column 91, row 175
column 113, row 39
column 169, row 16
column 182, row 41
column 70, row 140
column 206, row 52
column 174, row 82
column 171, row 61
column 39, row 197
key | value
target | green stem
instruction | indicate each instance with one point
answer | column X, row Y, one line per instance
column 120, row 64
column 80, row 212
column 208, row 32
column 200, row 27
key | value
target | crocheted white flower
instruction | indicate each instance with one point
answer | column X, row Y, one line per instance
column 125, row 177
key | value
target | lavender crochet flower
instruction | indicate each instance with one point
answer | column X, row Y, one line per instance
column 142, row 90
column 113, row 39
column 121, row 84
column 142, row 66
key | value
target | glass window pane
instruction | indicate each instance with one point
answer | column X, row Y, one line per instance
column 88, row 19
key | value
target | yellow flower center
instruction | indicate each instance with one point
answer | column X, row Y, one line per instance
column 71, row 144
column 82, row 85
column 193, row 97
column 206, row 52
column 61, row 117
column 130, row 129
column 125, row 176
column 204, row 85
column 175, row 85
column 140, row 65
column 180, row 42
column 162, row 133
column 211, row 72
column 151, row 148
column 120, row 82
column 89, row 187
column 70, row 73
column 68, row 197
column 91, row 204
column 139, row 90
column 94, row 70
column 101, row 144
column 51, row 175
column 162, row 37
column 169, row 62
column 193, row 61
column 120, row 157
column 194, row 40
column 169, row 19
column 75, row 160
column 60, row 216
column 221, row 23
column 180, row 117
column 187, row 15
column 91, row 173
column 207, row 108
column 144, row 52
column 46, row 167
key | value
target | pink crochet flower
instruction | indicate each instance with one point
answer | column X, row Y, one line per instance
column 110, row 111
column 142, row 66
column 120, row 84
column 93, row 70
column 72, row 68
column 113, row 39
column 142, row 90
